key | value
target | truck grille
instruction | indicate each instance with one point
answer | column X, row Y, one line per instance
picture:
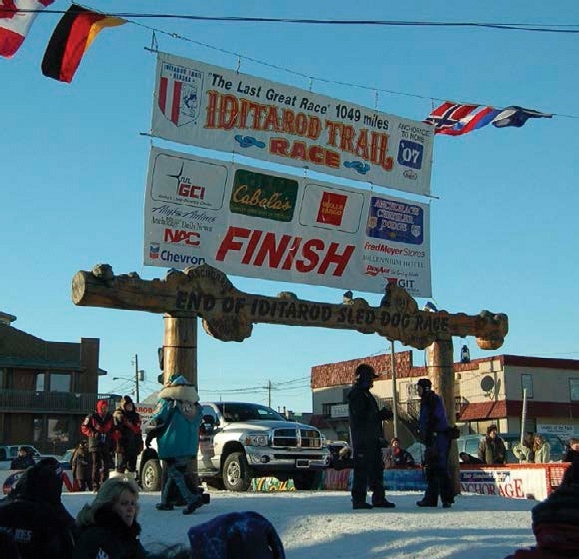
column 304, row 438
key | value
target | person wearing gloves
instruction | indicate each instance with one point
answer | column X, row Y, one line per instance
column 130, row 440
column 176, row 421
column 98, row 427
column 434, row 433
column 367, row 438
column 524, row 451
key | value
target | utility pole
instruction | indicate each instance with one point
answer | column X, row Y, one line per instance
column 394, row 394
column 269, row 393
column 137, row 378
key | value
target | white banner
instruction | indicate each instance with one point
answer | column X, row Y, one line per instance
column 250, row 222
column 220, row 109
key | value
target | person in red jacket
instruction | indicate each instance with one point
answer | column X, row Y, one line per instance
column 98, row 427
column 556, row 522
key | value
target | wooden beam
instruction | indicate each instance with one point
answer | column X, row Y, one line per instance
column 229, row 314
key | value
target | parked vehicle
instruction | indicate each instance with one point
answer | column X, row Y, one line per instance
column 241, row 441
column 469, row 444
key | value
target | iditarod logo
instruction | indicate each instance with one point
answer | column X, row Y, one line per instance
column 178, row 94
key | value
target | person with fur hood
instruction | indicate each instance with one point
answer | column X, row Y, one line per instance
column 556, row 522
column 176, row 422
column 108, row 528
column 34, row 514
column 129, row 441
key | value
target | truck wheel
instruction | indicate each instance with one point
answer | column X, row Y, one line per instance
column 305, row 481
column 236, row 475
column 151, row 475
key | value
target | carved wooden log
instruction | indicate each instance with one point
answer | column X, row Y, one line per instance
column 229, row 314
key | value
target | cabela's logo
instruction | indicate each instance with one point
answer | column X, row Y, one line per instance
column 262, row 195
column 178, row 93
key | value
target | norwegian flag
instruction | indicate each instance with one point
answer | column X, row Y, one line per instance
column 14, row 23
column 170, row 98
column 448, row 115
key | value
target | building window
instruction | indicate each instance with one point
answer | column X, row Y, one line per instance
column 37, row 429
column 574, row 389
column 40, row 381
column 527, row 383
column 60, row 382
column 58, row 429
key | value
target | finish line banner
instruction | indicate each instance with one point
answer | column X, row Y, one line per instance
column 250, row 222
column 215, row 108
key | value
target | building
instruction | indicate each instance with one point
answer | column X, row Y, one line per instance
column 46, row 388
column 487, row 390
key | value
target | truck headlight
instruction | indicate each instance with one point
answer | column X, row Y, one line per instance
column 256, row 440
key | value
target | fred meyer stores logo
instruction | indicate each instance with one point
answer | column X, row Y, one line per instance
column 260, row 195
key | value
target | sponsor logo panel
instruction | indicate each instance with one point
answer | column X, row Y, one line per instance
column 189, row 182
column 395, row 221
column 261, row 195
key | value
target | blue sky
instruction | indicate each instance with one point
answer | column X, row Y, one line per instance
column 504, row 227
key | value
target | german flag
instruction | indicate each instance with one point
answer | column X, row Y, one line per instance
column 71, row 38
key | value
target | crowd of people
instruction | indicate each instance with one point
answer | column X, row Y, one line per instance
column 34, row 522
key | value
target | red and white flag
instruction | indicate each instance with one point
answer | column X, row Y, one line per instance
column 14, row 23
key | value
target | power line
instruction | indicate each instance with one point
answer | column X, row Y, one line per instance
column 545, row 28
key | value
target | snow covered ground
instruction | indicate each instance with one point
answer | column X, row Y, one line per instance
column 322, row 524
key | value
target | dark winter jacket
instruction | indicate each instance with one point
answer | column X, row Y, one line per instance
column 128, row 425
column 365, row 418
column 571, row 455
column 81, row 464
column 99, row 430
column 492, row 450
column 34, row 514
column 22, row 462
column 396, row 457
column 109, row 535
column 236, row 535
column 432, row 419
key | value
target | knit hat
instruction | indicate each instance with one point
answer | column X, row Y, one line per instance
column 101, row 405
column 364, row 374
column 179, row 388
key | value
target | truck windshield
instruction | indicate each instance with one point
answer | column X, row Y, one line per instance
column 234, row 412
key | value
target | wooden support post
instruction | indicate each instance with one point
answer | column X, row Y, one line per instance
column 180, row 356
column 440, row 365
column 180, row 347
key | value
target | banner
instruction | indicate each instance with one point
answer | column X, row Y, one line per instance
column 250, row 222
column 220, row 109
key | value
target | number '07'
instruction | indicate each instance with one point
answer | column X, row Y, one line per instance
column 409, row 154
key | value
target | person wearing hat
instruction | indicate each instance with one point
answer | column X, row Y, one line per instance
column 396, row 457
column 434, row 433
column 177, row 419
column 34, row 514
column 98, row 427
column 130, row 439
column 367, row 438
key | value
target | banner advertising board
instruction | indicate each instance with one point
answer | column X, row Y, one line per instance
column 250, row 222
column 220, row 109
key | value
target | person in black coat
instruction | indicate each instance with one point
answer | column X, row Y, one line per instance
column 127, row 422
column 23, row 460
column 108, row 527
column 572, row 452
column 367, row 439
column 35, row 515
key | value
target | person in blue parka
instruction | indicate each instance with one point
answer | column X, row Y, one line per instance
column 177, row 419
column 434, row 432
